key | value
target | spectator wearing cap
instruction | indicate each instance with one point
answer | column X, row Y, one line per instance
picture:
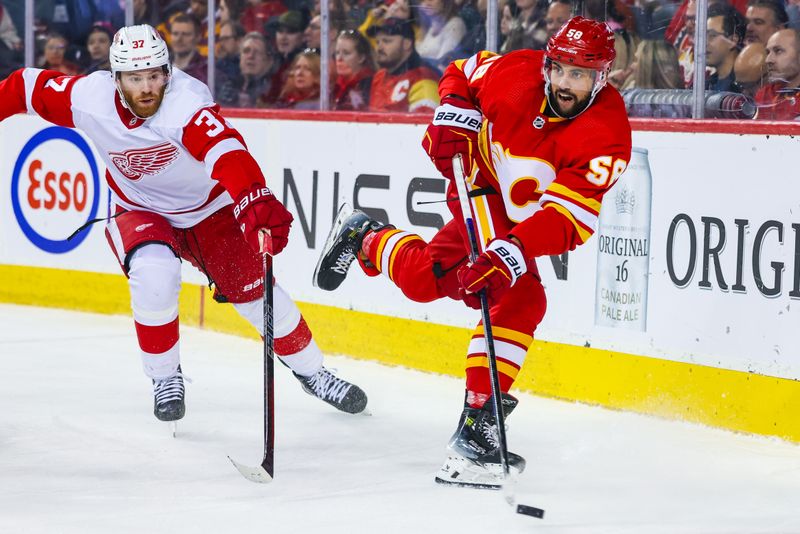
column 390, row 9
column 98, row 44
column 289, row 28
column 257, row 64
column 780, row 99
column 185, row 33
column 442, row 31
column 404, row 82
column 725, row 37
column 764, row 17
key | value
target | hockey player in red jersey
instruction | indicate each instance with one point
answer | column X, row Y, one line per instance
column 543, row 138
column 185, row 187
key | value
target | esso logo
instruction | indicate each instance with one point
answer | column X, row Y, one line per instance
column 55, row 188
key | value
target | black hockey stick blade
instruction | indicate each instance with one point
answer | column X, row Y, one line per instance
column 253, row 474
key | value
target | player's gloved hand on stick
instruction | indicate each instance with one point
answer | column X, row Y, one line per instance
column 264, row 220
column 496, row 270
column 453, row 130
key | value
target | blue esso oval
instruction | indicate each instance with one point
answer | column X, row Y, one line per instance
column 55, row 188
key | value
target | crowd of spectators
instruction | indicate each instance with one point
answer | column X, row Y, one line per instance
column 387, row 55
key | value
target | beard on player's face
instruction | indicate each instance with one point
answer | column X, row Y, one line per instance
column 567, row 102
column 143, row 91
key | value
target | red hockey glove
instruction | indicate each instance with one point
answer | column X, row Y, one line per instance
column 264, row 220
column 453, row 130
column 496, row 270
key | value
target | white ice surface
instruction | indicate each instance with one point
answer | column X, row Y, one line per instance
column 80, row 451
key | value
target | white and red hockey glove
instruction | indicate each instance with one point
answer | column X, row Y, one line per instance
column 453, row 130
column 496, row 270
column 264, row 220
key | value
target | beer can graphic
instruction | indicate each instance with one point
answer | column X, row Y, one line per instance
column 623, row 248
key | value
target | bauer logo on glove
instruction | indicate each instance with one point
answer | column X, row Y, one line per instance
column 461, row 118
column 264, row 221
column 496, row 270
column 511, row 261
column 251, row 196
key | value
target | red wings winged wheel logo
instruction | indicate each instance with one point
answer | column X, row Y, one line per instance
column 145, row 161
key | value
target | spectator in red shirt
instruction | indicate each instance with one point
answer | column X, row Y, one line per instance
column 355, row 66
column 404, row 82
column 780, row 99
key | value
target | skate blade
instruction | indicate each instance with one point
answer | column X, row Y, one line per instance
column 466, row 473
column 173, row 427
column 253, row 474
column 344, row 212
column 466, row 484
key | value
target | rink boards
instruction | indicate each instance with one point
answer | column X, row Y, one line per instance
column 718, row 269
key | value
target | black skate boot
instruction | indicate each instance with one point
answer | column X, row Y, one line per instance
column 341, row 247
column 169, row 392
column 474, row 451
column 340, row 394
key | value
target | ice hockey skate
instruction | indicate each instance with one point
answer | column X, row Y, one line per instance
column 341, row 247
column 339, row 393
column 473, row 458
column 168, row 397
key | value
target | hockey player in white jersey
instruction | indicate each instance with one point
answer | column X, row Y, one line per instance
column 183, row 186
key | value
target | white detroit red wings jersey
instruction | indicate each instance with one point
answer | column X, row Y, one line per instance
column 172, row 164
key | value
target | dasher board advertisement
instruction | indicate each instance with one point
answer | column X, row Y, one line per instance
column 723, row 282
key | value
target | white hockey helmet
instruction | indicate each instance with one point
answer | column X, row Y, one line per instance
column 137, row 48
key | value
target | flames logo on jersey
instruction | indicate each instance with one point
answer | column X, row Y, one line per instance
column 145, row 161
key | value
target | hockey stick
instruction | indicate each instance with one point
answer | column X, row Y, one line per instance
column 499, row 416
column 264, row 472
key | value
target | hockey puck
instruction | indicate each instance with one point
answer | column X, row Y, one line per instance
column 532, row 511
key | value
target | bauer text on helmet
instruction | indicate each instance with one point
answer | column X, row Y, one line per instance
column 136, row 48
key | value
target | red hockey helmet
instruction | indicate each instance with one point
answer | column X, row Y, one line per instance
column 584, row 43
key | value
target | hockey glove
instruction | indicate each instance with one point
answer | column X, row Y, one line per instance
column 496, row 270
column 453, row 130
column 264, row 220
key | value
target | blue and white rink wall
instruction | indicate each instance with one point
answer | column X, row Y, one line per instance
column 685, row 304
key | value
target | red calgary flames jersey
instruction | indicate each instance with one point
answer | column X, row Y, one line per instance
column 412, row 88
column 776, row 102
column 551, row 172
